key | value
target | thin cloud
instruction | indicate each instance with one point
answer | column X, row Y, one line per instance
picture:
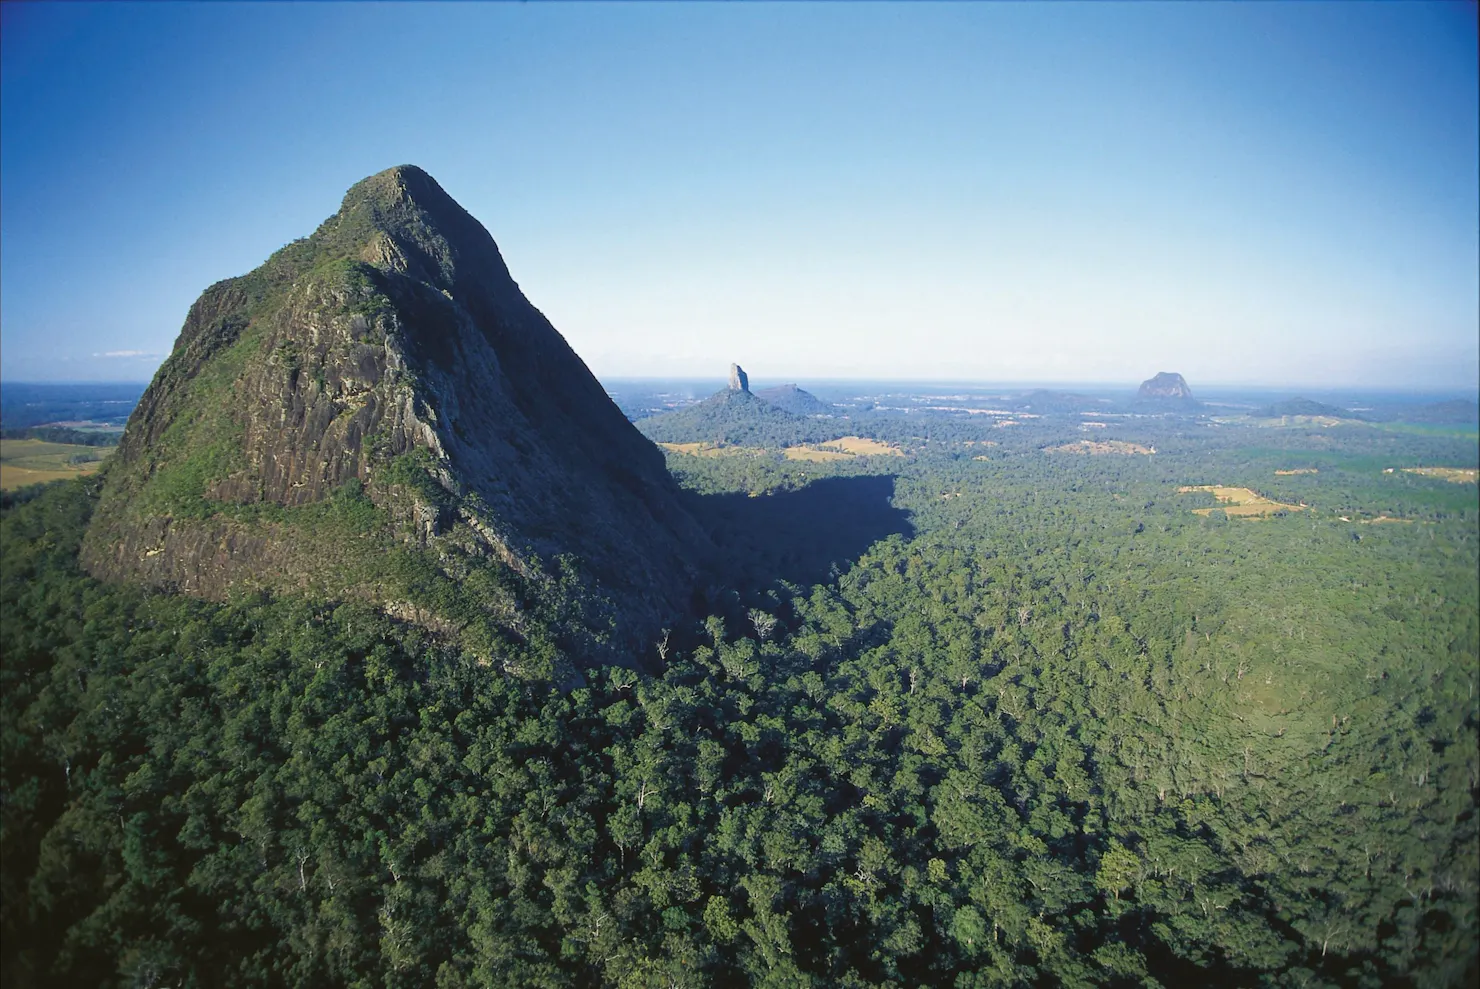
column 126, row 354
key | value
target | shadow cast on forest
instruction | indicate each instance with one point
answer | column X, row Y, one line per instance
column 797, row 536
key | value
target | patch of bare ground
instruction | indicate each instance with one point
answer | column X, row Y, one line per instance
column 1298, row 470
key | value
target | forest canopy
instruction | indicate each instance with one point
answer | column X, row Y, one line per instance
column 1056, row 730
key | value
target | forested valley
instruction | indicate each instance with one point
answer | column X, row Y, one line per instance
column 978, row 715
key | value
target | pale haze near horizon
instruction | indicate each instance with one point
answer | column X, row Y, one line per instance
column 1261, row 194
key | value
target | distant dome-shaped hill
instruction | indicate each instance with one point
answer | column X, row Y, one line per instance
column 1166, row 388
column 378, row 412
column 732, row 417
column 790, row 398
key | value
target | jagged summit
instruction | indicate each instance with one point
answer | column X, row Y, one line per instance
column 378, row 411
column 739, row 380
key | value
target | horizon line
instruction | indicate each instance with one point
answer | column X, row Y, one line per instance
column 1468, row 390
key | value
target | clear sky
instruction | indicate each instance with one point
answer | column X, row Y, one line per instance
column 1245, row 193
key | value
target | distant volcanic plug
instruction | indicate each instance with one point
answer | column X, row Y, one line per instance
column 739, row 381
column 1166, row 385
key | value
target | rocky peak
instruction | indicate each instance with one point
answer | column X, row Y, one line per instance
column 1165, row 385
column 739, row 380
column 378, row 411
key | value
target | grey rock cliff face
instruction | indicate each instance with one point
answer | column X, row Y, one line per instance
column 392, row 340
column 739, row 381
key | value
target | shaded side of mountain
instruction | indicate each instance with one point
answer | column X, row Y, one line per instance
column 799, row 535
column 790, row 398
column 1304, row 407
column 732, row 418
column 378, row 411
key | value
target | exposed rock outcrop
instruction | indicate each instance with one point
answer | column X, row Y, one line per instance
column 739, row 381
column 1165, row 386
column 383, row 388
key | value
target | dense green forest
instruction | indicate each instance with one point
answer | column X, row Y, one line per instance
column 979, row 716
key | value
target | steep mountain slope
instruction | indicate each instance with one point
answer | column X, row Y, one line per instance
column 378, row 411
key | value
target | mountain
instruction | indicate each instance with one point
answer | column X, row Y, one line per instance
column 790, row 398
column 739, row 380
column 1304, row 407
column 378, row 412
column 733, row 416
column 1166, row 385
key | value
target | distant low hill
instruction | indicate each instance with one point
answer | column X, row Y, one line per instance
column 1455, row 412
column 797, row 401
column 1043, row 401
column 1305, row 407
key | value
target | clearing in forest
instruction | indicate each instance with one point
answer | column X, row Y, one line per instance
column 815, row 454
column 1458, row 475
column 842, row 449
column 1101, row 447
column 1241, row 502
column 24, row 462
column 863, row 447
column 1298, row 470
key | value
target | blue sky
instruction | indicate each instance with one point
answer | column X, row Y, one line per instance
column 1280, row 194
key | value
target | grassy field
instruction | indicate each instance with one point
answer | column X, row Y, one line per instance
column 1239, row 502
column 815, row 454
column 863, row 447
column 24, row 462
column 843, row 448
